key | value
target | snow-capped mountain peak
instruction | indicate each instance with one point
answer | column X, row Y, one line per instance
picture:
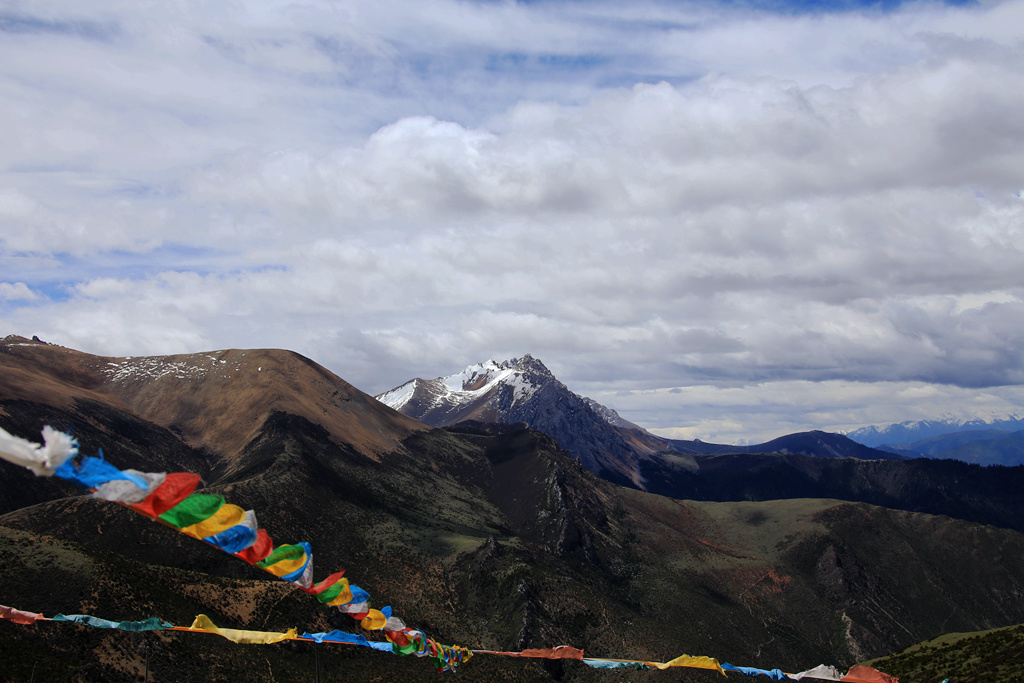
column 510, row 383
column 483, row 376
column 523, row 390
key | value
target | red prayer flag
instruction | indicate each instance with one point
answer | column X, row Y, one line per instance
column 325, row 584
column 865, row 674
column 18, row 616
column 397, row 637
column 176, row 487
column 258, row 550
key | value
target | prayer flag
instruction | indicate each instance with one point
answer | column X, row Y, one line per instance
column 195, row 508
column 42, row 460
column 176, row 487
column 203, row 623
column 18, row 616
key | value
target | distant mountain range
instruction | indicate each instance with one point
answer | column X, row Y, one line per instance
column 917, row 430
column 524, row 390
column 803, row 465
column 992, row 442
column 487, row 535
column 814, row 443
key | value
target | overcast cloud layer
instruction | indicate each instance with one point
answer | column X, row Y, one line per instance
column 725, row 222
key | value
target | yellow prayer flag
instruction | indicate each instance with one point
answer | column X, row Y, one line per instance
column 374, row 620
column 226, row 517
column 690, row 662
column 203, row 623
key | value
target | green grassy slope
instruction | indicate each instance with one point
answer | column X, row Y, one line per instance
column 994, row 656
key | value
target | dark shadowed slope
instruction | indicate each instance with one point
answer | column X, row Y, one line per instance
column 988, row 495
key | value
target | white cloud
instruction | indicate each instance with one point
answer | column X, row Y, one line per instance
column 16, row 291
column 14, row 204
column 646, row 196
column 756, row 413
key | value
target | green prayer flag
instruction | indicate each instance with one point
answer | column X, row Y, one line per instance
column 281, row 553
column 192, row 510
column 330, row 593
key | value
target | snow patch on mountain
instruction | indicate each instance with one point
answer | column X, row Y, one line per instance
column 154, row 367
column 400, row 395
column 470, row 384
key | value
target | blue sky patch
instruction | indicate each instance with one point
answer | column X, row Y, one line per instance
column 90, row 30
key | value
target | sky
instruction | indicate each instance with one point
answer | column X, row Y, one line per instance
column 725, row 220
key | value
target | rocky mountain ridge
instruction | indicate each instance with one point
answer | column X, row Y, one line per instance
column 523, row 390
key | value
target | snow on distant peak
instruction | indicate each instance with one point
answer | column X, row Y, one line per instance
column 524, row 375
column 400, row 395
column 522, row 387
column 914, row 430
column 479, row 379
column 476, row 377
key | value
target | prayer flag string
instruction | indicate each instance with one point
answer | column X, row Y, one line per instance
column 203, row 624
column 170, row 498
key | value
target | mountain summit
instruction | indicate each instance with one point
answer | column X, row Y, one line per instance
column 523, row 390
column 488, row 392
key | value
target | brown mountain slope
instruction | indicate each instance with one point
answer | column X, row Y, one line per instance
column 216, row 401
